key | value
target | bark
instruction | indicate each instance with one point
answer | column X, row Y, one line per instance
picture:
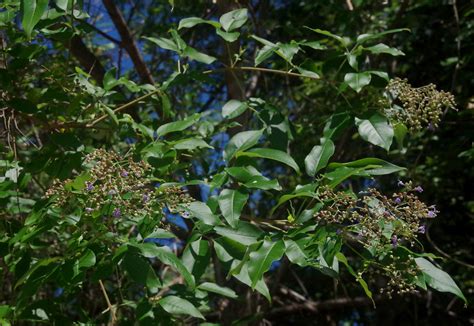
column 86, row 58
column 127, row 42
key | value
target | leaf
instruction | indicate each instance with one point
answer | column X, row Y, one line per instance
column 233, row 19
column 87, row 259
column 329, row 34
column 178, row 125
column 339, row 175
column 376, row 130
column 367, row 37
column 150, row 250
column 358, row 80
column 163, row 43
column 314, row 45
column 32, row 10
column 261, row 260
column 372, row 166
column 438, row 279
column 319, row 157
column 229, row 37
column 272, row 154
column 141, row 271
column 191, row 144
column 194, row 54
column 295, row 253
column 288, row 50
column 241, row 141
column 245, row 233
column 193, row 21
column 212, row 287
column 340, row 257
column 261, row 287
column 233, row 109
column 308, row 73
column 179, row 306
column 383, row 48
column 231, row 203
column 262, row 183
column 160, row 234
column 202, row 212
column 264, row 53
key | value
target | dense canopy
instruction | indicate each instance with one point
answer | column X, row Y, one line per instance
column 223, row 162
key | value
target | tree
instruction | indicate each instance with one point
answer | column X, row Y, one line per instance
column 161, row 165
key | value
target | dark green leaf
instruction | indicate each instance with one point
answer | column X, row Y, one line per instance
column 376, row 130
column 319, row 157
column 231, row 203
column 179, row 306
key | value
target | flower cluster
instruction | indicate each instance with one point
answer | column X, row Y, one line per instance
column 116, row 187
column 420, row 107
column 377, row 220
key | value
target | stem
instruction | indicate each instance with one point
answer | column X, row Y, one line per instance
column 109, row 305
column 122, row 107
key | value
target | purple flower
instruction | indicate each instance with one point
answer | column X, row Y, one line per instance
column 394, row 241
column 124, row 173
column 400, row 183
column 418, row 189
column 112, row 192
column 89, row 186
column 116, row 212
column 398, row 200
column 432, row 212
column 146, row 198
column 88, row 209
column 422, row 229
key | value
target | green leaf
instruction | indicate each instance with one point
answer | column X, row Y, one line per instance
column 262, row 183
column 231, row 203
column 243, row 276
column 32, row 10
column 214, row 288
column 438, row 279
column 383, row 48
column 341, row 174
column 372, row 166
column 295, row 253
column 229, row 37
column 245, row 233
column 161, row 234
column 367, row 37
column 190, row 144
column 261, row 260
column 376, row 130
column 233, row 19
column 264, row 53
column 358, row 80
column 340, row 257
column 141, row 271
column 164, row 43
column 193, row 21
column 233, row 109
column 178, row 125
column 241, row 141
column 202, row 212
column 196, row 257
column 194, row 54
column 150, row 250
column 87, row 259
column 319, row 157
column 179, row 306
column 272, row 154
column 329, row 34
column 400, row 130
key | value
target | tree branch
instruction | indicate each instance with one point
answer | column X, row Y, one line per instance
column 86, row 58
column 128, row 42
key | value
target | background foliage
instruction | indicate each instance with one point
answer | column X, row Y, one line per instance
column 225, row 162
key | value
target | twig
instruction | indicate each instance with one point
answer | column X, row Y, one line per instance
column 109, row 305
column 122, row 107
column 444, row 253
